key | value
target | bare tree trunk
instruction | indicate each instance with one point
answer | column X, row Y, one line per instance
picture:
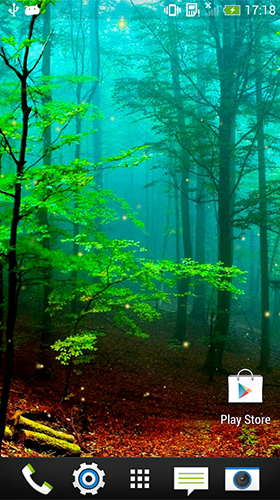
column 199, row 304
column 147, row 202
column 75, row 246
column 167, row 228
column 183, row 285
column 252, row 274
column 181, row 316
column 274, row 252
column 95, row 70
column 165, row 241
column 177, row 225
column 181, row 319
column 276, row 312
column 226, row 58
column 265, row 312
column 79, row 60
column 1, row 300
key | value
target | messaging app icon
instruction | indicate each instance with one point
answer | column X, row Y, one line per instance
column 191, row 478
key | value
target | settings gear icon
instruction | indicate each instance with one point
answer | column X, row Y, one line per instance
column 88, row 478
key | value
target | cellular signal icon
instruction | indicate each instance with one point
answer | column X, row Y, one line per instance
column 213, row 12
column 172, row 10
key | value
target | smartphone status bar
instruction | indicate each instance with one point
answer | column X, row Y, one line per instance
column 191, row 10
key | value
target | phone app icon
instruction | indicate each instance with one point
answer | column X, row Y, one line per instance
column 44, row 489
column 191, row 478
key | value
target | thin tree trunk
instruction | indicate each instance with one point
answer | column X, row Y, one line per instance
column 75, row 246
column 68, row 376
column 165, row 241
column 199, row 304
column 275, row 248
column 177, row 225
column 96, row 97
column 252, row 273
column 276, row 312
column 147, row 202
column 181, row 304
column 181, row 319
column 43, row 213
column 265, row 312
column 79, row 60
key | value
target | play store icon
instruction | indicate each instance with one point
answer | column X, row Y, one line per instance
column 243, row 391
column 245, row 387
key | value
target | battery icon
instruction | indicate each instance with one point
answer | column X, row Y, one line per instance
column 232, row 10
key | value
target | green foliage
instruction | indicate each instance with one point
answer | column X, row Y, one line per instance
column 104, row 276
column 249, row 438
column 217, row 275
column 78, row 348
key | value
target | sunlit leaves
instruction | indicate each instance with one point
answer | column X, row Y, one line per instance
column 75, row 347
column 60, row 112
column 10, row 40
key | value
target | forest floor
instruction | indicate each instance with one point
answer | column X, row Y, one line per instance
column 146, row 397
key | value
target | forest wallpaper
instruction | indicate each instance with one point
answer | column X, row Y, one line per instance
column 139, row 228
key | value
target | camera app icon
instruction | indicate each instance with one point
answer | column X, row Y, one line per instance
column 242, row 479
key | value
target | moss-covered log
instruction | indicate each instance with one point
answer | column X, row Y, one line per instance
column 275, row 449
column 8, row 433
column 64, row 447
column 21, row 422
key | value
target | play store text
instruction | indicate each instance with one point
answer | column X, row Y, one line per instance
column 247, row 420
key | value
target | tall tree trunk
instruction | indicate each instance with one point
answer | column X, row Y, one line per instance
column 1, row 298
column 43, row 213
column 177, row 225
column 95, row 70
column 147, row 203
column 13, row 280
column 1, row 314
column 181, row 319
column 75, row 246
column 226, row 59
column 79, row 60
column 276, row 312
column 199, row 304
column 265, row 312
column 274, row 252
column 276, row 301
column 177, row 247
column 252, row 273
column 165, row 241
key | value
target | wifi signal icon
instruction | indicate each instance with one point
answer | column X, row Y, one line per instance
column 172, row 9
